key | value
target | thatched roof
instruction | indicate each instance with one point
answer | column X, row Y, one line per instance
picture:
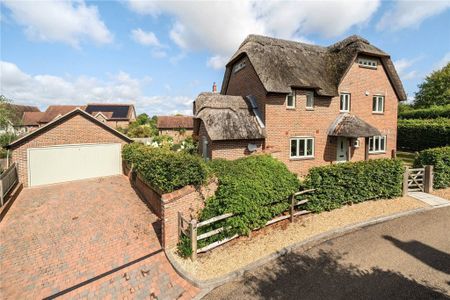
column 282, row 64
column 351, row 126
column 228, row 117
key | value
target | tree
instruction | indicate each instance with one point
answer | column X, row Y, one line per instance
column 6, row 113
column 435, row 90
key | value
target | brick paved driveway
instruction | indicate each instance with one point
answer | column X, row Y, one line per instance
column 85, row 239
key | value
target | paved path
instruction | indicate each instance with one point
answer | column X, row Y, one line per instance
column 429, row 198
column 85, row 239
column 406, row 258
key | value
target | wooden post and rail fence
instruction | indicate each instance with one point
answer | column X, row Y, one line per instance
column 190, row 228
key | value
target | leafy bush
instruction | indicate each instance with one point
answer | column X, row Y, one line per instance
column 426, row 113
column 255, row 188
column 165, row 170
column 417, row 134
column 353, row 182
column 440, row 159
column 6, row 139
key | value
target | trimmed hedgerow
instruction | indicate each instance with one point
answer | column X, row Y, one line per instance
column 165, row 170
column 417, row 134
column 440, row 159
column 433, row 112
column 353, row 182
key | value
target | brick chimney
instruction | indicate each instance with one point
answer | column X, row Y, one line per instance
column 214, row 88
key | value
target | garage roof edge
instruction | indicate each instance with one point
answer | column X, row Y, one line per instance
column 62, row 119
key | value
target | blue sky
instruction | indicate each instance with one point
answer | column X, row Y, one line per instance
column 161, row 55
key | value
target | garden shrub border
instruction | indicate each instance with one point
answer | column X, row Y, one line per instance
column 440, row 159
column 420, row 134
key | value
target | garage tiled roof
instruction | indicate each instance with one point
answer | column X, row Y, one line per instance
column 54, row 111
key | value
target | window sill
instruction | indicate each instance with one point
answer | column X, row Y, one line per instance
column 344, row 111
column 368, row 67
column 290, row 108
column 377, row 113
column 310, row 108
column 301, row 158
column 377, row 153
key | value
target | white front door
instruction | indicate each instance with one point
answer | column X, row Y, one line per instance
column 342, row 149
column 72, row 162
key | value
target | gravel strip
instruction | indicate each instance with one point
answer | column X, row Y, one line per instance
column 246, row 250
column 443, row 193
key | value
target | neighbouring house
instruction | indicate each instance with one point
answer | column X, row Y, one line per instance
column 115, row 115
column 307, row 105
column 18, row 112
column 73, row 146
column 30, row 120
column 177, row 127
column 54, row 112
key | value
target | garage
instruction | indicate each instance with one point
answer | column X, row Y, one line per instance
column 73, row 147
column 72, row 162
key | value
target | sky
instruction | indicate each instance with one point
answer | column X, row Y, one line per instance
column 161, row 55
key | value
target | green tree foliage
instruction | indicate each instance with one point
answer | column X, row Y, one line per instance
column 440, row 159
column 6, row 113
column 142, row 127
column 418, row 134
column 435, row 90
column 353, row 182
column 163, row 169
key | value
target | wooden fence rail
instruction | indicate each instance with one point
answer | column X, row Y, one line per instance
column 8, row 180
column 190, row 228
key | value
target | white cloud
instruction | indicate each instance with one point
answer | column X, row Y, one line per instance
column 146, row 38
column 69, row 22
column 220, row 26
column 44, row 89
column 444, row 61
column 410, row 13
column 403, row 67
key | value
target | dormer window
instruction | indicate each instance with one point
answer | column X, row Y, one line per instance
column 290, row 100
column 239, row 66
column 367, row 63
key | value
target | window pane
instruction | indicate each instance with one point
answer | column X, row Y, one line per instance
column 290, row 100
column 347, row 107
column 374, row 104
column 293, row 148
column 380, row 104
column 377, row 143
column 309, row 149
column 302, row 147
column 371, row 144
column 309, row 100
column 382, row 143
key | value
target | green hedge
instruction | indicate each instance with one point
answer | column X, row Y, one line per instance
column 426, row 113
column 440, row 159
column 417, row 134
column 353, row 182
column 256, row 188
column 165, row 170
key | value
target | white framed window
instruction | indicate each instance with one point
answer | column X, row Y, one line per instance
column 302, row 147
column 310, row 100
column 368, row 63
column 290, row 100
column 239, row 66
column 378, row 104
column 344, row 105
column 377, row 144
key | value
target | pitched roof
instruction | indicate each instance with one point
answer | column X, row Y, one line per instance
column 351, row 126
column 282, row 64
column 228, row 117
column 55, row 110
column 169, row 122
column 32, row 118
column 56, row 122
column 19, row 111
column 117, row 111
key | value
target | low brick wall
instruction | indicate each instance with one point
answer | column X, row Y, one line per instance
column 188, row 200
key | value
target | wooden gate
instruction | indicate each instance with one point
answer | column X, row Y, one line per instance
column 416, row 178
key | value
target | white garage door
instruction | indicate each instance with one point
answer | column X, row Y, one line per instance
column 72, row 162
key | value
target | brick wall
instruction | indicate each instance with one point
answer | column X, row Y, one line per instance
column 234, row 149
column 177, row 135
column 76, row 130
column 282, row 123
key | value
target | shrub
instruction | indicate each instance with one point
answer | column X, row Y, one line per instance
column 416, row 134
column 353, row 182
column 255, row 188
column 165, row 170
column 440, row 159
column 426, row 113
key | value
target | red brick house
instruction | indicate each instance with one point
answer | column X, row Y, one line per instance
column 177, row 127
column 307, row 105
column 115, row 115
